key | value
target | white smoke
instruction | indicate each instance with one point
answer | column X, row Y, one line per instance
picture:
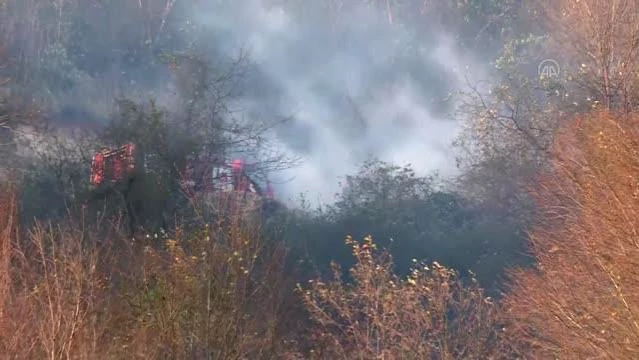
column 352, row 88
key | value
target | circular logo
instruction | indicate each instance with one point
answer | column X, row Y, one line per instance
column 548, row 68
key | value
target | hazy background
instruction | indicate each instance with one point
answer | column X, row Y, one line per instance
column 355, row 88
column 351, row 83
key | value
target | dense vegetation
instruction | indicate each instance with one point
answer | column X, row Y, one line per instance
column 528, row 252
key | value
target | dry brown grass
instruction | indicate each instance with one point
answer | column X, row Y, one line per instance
column 8, row 232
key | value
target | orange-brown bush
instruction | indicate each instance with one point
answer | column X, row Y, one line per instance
column 582, row 300
column 429, row 315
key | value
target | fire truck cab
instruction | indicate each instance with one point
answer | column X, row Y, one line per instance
column 112, row 166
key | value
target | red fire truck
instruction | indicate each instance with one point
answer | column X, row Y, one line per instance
column 117, row 166
column 112, row 166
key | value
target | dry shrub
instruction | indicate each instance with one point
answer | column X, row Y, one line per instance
column 429, row 315
column 77, row 292
column 220, row 293
column 58, row 297
column 582, row 300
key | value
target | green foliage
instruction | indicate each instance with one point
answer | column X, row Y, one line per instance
column 155, row 194
column 508, row 126
column 165, row 143
column 414, row 219
column 492, row 19
column 56, row 71
column 56, row 179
